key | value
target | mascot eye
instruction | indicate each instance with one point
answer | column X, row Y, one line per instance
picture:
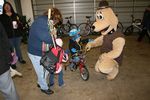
column 100, row 16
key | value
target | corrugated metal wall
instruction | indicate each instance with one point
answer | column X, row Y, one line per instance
column 81, row 8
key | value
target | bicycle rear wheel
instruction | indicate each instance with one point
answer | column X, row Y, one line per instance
column 120, row 27
column 84, row 29
column 63, row 28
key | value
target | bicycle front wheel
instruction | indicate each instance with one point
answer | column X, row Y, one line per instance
column 84, row 29
column 128, row 31
column 84, row 73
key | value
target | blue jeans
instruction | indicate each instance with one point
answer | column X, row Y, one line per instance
column 74, row 60
column 7, row 87
column 39, row 71
column 15, row 43
column 60, row 78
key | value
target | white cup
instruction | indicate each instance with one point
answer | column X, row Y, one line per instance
column 15, row 25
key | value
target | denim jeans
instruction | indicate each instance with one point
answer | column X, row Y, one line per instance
column 7, row 87
column 15, row 43
column 74, row 60
column 41, row 74
column 60, row 78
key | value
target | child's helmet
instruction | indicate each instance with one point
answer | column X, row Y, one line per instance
column 74, row 33
column 59, row 42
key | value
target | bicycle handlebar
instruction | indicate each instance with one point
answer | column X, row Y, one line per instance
column 88, row 17
column 68, row 17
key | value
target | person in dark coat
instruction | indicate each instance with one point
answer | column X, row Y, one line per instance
column 12, row 24
column 6, row 83
column 40, row 35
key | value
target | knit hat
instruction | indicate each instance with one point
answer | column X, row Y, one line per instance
column 74, row 33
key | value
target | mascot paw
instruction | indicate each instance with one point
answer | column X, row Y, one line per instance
column 88, row 47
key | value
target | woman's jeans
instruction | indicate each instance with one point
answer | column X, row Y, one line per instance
column 15, row 43
column 40, row 72
column 60, row 78
column 7, row 87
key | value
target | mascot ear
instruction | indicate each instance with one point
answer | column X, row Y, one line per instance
column 103, row 4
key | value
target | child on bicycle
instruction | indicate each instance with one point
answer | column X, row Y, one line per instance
column 75, row 46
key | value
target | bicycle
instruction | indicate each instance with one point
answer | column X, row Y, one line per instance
column 63, row 29
column 135, row 27
column 84, row 73
column 86, row 28
column 68, row 25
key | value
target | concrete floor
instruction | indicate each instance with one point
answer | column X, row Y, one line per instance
column 132, row 83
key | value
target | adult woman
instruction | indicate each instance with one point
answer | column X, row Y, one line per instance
column 12, row 25
column 39, row 33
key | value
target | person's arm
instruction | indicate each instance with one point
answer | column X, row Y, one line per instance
column 5, row 40
column 43, row 31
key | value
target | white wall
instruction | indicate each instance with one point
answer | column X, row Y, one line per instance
column 27, row 9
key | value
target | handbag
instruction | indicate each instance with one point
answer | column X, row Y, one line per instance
column 49, row 60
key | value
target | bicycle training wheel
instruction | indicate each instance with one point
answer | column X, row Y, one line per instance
column 84, row 29
column 120, row 27
column 128, row 31
column 84, row 73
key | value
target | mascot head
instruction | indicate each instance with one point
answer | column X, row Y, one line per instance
column 106, row 20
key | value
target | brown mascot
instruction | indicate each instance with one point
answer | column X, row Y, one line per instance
column 111, row 41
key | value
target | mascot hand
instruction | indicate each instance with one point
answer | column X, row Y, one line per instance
column 88, row 47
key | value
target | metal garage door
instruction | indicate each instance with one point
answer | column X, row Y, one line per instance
column 81, row 8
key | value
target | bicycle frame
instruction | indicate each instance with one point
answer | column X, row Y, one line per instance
column 137, row 26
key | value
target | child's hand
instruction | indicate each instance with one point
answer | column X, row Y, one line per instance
column 65, row 58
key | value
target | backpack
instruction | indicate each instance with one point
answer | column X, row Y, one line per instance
column 51, row 59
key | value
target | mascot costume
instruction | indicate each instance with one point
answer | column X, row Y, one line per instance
column 111, row 41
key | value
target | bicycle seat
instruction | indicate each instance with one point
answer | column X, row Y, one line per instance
column 68, row 17
column 88, row 17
